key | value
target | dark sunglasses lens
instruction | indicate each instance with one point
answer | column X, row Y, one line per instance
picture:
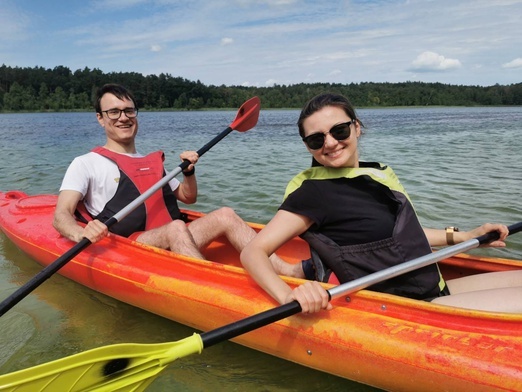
column 315, row 141
column 341, row 131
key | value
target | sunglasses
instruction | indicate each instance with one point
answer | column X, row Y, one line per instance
column 315, row 141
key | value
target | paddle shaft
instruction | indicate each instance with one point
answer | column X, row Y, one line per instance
column 259, row 320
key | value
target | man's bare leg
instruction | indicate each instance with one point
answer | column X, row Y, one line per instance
column 225, row 222
column 174, row 236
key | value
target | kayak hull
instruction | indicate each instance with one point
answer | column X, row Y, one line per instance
column 381, row 340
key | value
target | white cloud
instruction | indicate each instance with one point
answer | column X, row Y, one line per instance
column 227, row 41
column 517, row 63
column 431, row 61
column 274, row 41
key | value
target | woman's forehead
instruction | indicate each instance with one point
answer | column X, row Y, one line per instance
column 325, row 118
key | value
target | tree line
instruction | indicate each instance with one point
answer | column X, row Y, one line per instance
column 60, row 89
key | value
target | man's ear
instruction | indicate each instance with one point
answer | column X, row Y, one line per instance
column 99, row 116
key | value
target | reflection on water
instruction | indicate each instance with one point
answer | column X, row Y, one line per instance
column 461, row 166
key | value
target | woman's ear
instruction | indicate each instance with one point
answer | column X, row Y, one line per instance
column 357, row 129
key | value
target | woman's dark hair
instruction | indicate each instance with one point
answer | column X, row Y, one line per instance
column 322, row 100
column 115, row 89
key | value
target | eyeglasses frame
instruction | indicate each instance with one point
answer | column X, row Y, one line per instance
column 135, row 112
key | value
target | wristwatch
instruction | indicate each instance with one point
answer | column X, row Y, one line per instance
column 190, row 172
column 449, row 234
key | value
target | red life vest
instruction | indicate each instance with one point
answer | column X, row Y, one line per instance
column 137, row 175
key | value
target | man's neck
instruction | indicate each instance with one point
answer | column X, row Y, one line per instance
column 121, row 148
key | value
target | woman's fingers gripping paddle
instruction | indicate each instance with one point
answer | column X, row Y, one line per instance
column 502, row 230
column 312, row 297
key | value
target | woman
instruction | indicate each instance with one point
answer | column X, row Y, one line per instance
column 358, row 219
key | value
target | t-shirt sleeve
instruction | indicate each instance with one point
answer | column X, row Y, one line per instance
column 306, row 201
column 174, row 184
column 76, row 177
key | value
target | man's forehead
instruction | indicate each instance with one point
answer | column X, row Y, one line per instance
column 112, row 100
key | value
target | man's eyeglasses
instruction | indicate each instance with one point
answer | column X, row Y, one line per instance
column 342, row 131
column 115, row 114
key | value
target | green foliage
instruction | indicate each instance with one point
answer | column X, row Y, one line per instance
column 59, row 89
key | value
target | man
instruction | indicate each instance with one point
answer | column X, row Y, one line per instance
column 108, row 178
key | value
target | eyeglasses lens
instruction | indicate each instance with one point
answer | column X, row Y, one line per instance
column 115, row 114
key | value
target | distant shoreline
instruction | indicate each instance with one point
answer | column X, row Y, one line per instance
column 59, row 89
column 233, row 109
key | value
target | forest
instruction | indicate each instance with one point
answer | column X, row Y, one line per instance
column 25, row 89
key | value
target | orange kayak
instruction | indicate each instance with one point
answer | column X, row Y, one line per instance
column 378, row 339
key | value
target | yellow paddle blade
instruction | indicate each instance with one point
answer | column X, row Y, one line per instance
column 120, row 367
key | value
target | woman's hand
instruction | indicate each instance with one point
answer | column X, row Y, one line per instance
column 487, row 228
column 311, row 296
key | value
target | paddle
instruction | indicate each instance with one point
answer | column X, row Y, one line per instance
column 134, row 366
column 246, row 118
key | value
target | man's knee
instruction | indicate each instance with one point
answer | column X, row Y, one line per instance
column 177, row 226
column 226, row 211
column 227, row 214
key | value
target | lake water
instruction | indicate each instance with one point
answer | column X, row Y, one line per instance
column 460, row 166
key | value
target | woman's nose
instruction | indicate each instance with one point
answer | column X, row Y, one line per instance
column 329, row 140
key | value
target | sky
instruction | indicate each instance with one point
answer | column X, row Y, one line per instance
column 267, row 42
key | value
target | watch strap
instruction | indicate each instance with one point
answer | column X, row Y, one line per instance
column 450, row 240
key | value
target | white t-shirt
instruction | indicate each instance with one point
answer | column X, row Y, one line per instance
column 96, row 178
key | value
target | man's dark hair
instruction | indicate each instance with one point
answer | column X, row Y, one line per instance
column 115, row 89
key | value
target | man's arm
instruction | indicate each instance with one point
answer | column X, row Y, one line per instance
column 187, row 191
column 65, row 223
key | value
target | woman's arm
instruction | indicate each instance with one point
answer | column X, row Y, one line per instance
column 438, row 237
column 283, row 227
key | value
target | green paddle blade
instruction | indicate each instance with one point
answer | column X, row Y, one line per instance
column 120, row 367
